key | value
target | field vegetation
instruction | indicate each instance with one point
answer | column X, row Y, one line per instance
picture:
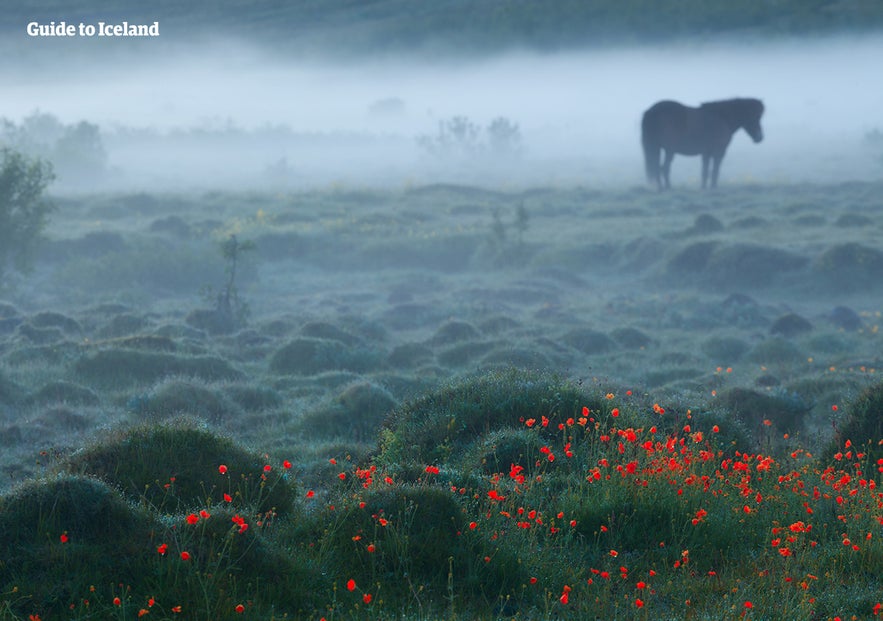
column 446, row 402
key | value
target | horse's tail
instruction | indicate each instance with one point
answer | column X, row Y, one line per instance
column 651, row 152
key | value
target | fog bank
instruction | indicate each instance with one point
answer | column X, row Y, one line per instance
column 225, row 114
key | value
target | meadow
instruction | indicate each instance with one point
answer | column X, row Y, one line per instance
column 447, row 402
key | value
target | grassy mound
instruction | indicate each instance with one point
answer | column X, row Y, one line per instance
column 356, row 413
column 310, row 356
column 120, row 368
column 76, row 548
column 175, row 397
column 849, row 267
column 862, row 426
column 414, row 539
column 434, row 427
column 758, row 410
column 65, row 392
column 175, row 467
column 60, row 536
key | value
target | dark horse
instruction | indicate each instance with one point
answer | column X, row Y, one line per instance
column 706, row 131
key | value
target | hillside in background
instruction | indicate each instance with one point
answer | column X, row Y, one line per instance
column 358, row 26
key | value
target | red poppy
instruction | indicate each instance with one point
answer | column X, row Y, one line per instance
column 350, row 585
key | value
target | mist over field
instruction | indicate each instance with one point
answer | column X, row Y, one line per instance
column 366, row 310
column 228, row 112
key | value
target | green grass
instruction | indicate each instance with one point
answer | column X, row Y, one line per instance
column 408, row 456
column 618, row 510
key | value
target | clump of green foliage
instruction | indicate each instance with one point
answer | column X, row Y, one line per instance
column 356, row 413
column 310, row 356
column 862, row 426
column 436, row 426
column 177, row 397
column 24, row 210
column 174, row 467
column 120, row 368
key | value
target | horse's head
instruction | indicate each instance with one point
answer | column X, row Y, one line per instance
column 752, row 110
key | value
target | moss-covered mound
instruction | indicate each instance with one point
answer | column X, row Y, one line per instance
column 415, row 539
column 862, row 427
column 356, row 413
column 60, row 536
column 434, row 427
column 175, row 467
column 175, row 397
column 119, row 368
column 310, row 356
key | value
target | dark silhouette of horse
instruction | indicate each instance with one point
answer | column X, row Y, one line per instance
column 707, row 130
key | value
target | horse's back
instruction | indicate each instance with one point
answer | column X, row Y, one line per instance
column 661, row 115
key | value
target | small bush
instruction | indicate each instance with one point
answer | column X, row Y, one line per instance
column 24, row 211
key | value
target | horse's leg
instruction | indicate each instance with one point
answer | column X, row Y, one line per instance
column 666, row 168
column 715, row 169
column 705, row 159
